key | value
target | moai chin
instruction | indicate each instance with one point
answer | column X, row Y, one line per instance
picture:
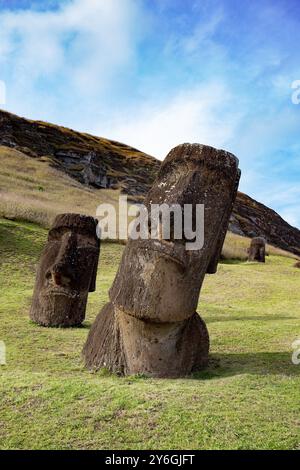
column 150, row 326
column 67, row 272
column 257, row 250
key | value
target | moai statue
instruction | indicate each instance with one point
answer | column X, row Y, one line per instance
column 257, row 250
column 297, row 265
column 67, row 272
column 150, row 326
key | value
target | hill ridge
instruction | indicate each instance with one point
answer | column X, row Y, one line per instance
column 101, row 163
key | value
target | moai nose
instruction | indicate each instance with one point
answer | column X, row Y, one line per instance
column 62, row 271
column 57, row 278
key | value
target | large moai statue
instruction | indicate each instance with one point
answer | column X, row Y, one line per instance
column 67, row 272
column 257, row 250
column 150, row 326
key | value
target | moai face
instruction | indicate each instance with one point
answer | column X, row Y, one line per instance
column 160, row 280
column 67, row 271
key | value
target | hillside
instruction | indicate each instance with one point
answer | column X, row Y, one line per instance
column 68, row 170
column 93, row 161
column 248, row 398
column 251, row 218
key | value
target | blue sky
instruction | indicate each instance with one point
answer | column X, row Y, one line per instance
column 157, row 73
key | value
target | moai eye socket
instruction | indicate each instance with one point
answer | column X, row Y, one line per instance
column 56, row 234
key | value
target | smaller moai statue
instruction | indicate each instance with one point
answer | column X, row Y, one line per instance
column 67, row 272
column 257, row 250
column 297, row 265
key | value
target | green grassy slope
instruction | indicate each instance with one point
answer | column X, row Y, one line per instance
column 248, row 398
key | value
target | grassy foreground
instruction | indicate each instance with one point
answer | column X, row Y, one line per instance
column 248, row 398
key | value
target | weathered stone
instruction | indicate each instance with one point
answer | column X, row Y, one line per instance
column 151, row 325
column 257, row 250
column 66, row 272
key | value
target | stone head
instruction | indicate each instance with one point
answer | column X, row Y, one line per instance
column 67, row 271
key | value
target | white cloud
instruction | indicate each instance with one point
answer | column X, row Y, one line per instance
column 195, row 115
column 84, row 44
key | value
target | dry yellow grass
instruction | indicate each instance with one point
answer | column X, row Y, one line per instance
column 33, row 191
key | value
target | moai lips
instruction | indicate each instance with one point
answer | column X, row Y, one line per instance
column 257, row 250
column 150, row 325
column 66, row 272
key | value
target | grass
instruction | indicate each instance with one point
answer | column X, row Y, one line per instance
column 248, row 398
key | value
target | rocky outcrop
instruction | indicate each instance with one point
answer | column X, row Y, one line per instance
column 93, row 161
column 253, row 219
column 102, row 163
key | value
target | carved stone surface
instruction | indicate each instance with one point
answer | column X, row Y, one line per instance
column 67, row 272
column 257, row 250
column 150, row 326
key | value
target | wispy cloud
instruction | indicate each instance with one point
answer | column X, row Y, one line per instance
column 200, row 114
column 73, row 52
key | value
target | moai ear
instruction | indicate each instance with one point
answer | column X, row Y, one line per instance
column 214, row 261
column 213, row 264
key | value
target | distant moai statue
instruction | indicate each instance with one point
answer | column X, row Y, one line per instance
column 2, row 354
column 257, row 250
column 150, row 326
column 67, row 272
column 297, row 265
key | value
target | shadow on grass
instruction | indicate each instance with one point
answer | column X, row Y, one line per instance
column 82, row 326
column 264, row 363
column 233, row 261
